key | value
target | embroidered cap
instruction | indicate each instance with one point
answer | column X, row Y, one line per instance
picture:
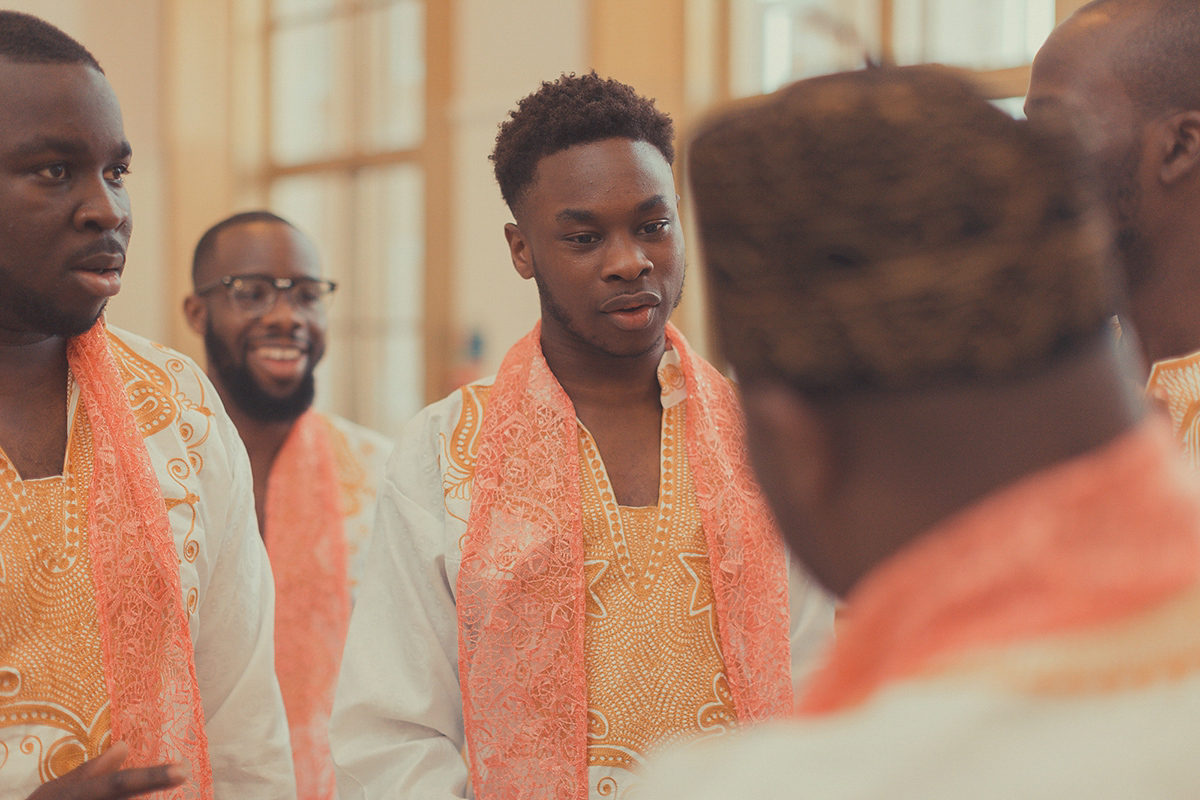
column 891, row 228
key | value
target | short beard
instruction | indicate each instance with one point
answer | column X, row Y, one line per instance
column 1125, row 201
column 552, row 309
column 247, row 395
column 43, row 316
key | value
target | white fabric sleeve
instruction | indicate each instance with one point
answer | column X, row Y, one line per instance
column 812, row 610
column 246, row 724
column 397, row 727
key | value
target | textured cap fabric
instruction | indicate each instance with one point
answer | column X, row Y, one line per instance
column 891, row 228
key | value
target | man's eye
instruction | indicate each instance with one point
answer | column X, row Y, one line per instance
column 251, row 292
column 117, row 173
column 55, row 171
column 583, row 238
column 655, row 227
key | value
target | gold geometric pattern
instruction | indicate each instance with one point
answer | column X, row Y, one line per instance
column 1177, row 382
column 51, row 664
column 655, row 674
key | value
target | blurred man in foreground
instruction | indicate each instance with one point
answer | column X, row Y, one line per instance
column 135, row 594
column 915, row 291
column 1125, row 72
column 258, row 301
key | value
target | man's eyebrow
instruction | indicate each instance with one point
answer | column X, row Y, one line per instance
column 653, row 202
column 68, row 147
column 575, row 215
column 580, row 215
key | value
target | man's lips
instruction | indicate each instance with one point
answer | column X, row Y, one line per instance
column 630, row 302
column 100, row 272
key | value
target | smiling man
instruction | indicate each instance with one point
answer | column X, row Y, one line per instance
column 259, row 304
column 136, row 623
column 572, row 563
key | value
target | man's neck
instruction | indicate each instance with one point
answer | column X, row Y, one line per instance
column 1163, row 306
column 33, row 405
column 596, row 380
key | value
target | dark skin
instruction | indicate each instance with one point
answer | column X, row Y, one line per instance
column 278, row 251
column 599, row 230
column 1149, row 161
column 64, row 184
column 66, row 224
column 853, row 479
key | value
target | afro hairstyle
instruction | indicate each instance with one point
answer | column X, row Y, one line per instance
column 570, row 111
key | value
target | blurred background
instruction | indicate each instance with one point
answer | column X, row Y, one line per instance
column 368, row 123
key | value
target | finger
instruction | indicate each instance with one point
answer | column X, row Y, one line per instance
column 131, row 782
column 107, row 762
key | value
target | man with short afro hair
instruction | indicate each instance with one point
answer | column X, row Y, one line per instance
column 572, row 563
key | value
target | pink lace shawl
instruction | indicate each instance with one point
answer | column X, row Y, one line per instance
column 521, row 584
column 148, row 661
column 1080, row 544
column 307, row 548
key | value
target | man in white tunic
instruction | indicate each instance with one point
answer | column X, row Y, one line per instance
column 137, row 601
column 1124, row 73
column 259, row 303
column 572, row 564
column 915, row 290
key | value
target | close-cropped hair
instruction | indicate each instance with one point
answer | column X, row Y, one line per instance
column 208, row 242
column 573, row 110
column 26, row 39
column 1158, row 60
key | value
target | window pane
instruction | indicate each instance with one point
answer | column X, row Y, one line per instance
column 981, row 34
column 319, row 205
column 310, row 107
column 395, row 79
column 795, row 39
column 389, row 293
column 292, row 10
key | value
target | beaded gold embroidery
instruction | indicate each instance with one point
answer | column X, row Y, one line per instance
column 51, row 663
column 654, row 668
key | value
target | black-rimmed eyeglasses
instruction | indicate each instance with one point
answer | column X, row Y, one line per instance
column 257, row 294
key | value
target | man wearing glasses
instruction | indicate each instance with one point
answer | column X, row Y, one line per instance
column 258, row 301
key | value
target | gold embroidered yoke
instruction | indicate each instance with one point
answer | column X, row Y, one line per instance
column 655, row 673
column 51, row 665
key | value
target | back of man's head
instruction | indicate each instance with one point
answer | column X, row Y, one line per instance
column 570, row 111
column 891, row 229
column 26, row 39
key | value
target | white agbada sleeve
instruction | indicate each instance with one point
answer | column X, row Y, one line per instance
column 248, row 742
column 397, row 727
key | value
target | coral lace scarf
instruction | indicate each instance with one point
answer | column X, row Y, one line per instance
column 521, row 584
column 1085, row 542
column 307, row 548
column 148, row 662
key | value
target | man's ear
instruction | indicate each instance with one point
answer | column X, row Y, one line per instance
column 196, row 311
column 518, row 248
column 792, row 449
column 1180, row 147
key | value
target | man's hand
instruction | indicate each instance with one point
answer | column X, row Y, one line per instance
column 103, row 779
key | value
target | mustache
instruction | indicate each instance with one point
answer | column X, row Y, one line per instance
column 108, row 246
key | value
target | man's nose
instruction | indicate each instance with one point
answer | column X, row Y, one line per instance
column 626, row 260
column 102, row 206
